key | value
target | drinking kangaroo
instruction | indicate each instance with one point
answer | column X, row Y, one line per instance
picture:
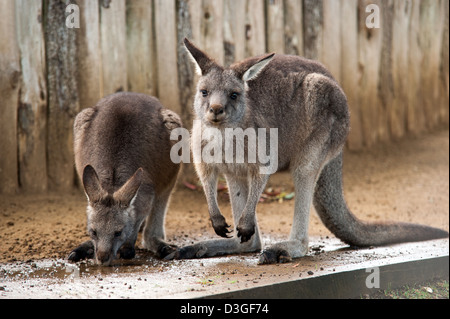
column 122, row 155
column 303, row 101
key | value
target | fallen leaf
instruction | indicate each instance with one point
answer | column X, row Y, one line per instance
column 190, row 186
column 428, row 289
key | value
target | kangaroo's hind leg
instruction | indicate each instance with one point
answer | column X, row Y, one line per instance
column 239, row 190
column 297, row 245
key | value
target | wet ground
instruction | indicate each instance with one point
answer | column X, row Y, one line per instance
column 148, row 277
column 406, row 181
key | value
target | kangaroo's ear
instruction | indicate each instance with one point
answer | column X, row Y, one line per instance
column 253, row 71
column 202, row 61
column 127, row 192
column 91, row 183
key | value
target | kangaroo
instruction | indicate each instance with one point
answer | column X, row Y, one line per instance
column 302, row 99
column 122, row 156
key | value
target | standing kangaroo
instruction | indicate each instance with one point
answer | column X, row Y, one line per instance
column 122, row 155
column 303, row 101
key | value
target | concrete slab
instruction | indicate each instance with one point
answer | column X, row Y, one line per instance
column 330, row 270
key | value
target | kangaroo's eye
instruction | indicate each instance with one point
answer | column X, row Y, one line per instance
column 117, row 234
column 234, row 95
column 204, row 93
column 93, row 233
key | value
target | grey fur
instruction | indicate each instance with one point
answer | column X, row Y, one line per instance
column 122, row 156
column 302, row 99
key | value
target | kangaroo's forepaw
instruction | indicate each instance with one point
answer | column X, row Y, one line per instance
column 165, row 249
column 85, row 251
column 273, row 256
column 127, row 252
column 187, row 252
column 245, row 233
column 221, row 227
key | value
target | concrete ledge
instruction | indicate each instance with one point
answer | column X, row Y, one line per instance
column 348, row 284
column 330, row 270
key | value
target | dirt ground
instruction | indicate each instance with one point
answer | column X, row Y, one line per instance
column 404, row 181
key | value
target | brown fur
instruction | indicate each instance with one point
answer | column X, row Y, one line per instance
column 122, row 155
column 302, row 100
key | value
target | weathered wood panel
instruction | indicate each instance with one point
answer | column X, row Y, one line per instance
column 312, row 28
column 415, row 111
column 32, row 109
column 63, row 101
column 444, row 70
column 400, row 80
column 331, row 37
column 234, row 31
column 89, row 57
column 113, row 46
column 369, row 55
column 293, row 32
column 140, row 47
column 166, row 54
column 275, row 26
column 349, row 70
column 385, row 85
column 396, row 77
column 255, row 29
column 430, row 39
column 211, row 30
column 9, row 92
column 188, row 26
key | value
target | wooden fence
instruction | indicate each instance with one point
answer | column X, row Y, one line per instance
column 396, row 76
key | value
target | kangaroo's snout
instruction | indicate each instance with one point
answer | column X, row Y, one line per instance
column 216, row 113
column 103, row 258
column 216, row 109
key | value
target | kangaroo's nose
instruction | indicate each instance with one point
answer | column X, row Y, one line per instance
column 103, row 256
column 216, row 109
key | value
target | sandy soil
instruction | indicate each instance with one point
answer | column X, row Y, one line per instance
column 404, row 181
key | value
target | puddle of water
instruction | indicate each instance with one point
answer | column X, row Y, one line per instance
column 62, row 269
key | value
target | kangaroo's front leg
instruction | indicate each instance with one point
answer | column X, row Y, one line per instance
column 247, row 222
column 154, row 237
column 209, row 180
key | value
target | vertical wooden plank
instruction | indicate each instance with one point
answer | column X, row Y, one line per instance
column 430, row 38
column 400, row 81
column 32, row 111
column 415, row 115
column 212, row 29
column 63, row 104
column 349, row 69
column 166, row 54
column 113, row 46
column 293, row 28
column 255, row 28
column 444, row 71
column 9, row 92
column 331, row 37
column 89, row 54
column 275, row 26
column 234, row 31
column 188, row 26
column 140, row 47
column 312, row 28
column 385, row 85
column 369, row 53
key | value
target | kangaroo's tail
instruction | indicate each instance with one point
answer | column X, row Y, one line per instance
column 333, row 211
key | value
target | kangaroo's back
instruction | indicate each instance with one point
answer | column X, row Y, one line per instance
column 122, row 132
